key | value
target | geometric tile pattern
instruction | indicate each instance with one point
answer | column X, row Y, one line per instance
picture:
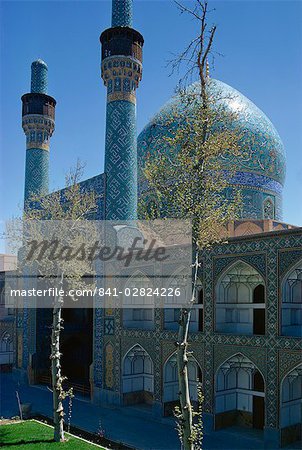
column 256, row 260
column 121, row 72
column 109, row 326
column 97, row 185
column 39, row 77
column 36, row 172
column 121, row 13
column 288, row 258
column 121, row 161
column 109, row 351
column 98, row 347
column 256, row 355
column 288, row 361
column 272, row 354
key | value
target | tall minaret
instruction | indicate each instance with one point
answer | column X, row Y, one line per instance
column 121, row 73
column 38, row 123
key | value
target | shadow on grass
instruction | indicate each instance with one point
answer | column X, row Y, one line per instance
column 25, row 442
column 5, row 440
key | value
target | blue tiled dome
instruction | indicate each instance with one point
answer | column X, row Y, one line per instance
column 260, row 172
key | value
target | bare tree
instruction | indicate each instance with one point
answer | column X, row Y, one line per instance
column 188, row 180
column 63, row 213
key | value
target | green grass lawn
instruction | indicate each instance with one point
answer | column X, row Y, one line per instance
column 31, row 435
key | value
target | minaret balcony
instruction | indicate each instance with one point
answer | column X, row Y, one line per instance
column 38, row 104
column 122, row 41
column 38, row 130
column 121, row 67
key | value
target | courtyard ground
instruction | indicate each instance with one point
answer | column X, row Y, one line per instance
column 32, row 435
column 143, row 433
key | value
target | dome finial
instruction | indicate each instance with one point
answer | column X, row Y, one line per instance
column 207, row 69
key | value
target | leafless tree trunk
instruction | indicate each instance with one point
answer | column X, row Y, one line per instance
column 196, row 56
column 185, row 419
column 57, row 379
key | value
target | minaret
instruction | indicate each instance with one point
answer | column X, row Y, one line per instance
column 38, row 123
column 121, row 73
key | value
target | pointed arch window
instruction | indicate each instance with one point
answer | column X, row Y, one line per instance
column 268, row 209
column 291, row 399
column 171, row 388
column 240, row 389
column 240, row 301
column 137, row 376
column 291, row 306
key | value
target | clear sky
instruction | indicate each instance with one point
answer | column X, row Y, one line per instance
column 261, row 42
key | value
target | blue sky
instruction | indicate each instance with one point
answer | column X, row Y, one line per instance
column 261, row 42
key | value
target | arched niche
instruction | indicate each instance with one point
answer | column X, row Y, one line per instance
column 291, row 406
column 170, row 382
column 291, row 302
column 240, row 301
column 137, row 376
column 239, row 394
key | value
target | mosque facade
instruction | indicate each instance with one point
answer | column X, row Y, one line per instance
column 246, row 330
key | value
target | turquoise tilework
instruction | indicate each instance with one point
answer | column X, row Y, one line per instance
column 39, row 77
column 36, row 172
column 121, row 13
column 121, row 161
column 260, row 172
